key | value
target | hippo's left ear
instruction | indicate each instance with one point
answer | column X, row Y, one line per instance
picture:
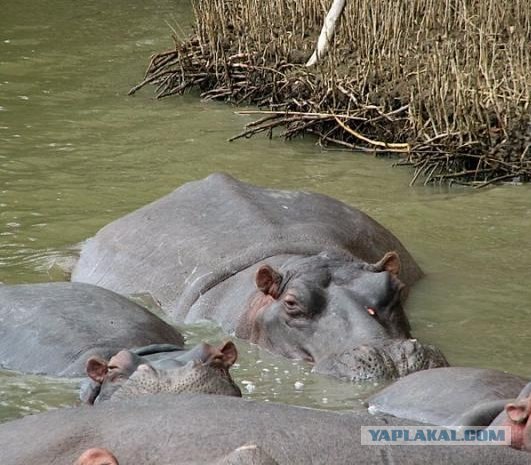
column 223, row 356
column 268, row 280
column 518, row 412
column 390, row 262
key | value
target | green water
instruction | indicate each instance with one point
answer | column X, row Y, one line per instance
column 76, row 153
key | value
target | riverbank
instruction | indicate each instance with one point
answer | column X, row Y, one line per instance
column 445, row 86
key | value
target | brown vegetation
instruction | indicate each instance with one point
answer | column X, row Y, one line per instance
column 445, row 84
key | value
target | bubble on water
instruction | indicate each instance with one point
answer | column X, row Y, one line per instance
column 250, row 388
column 298, row 385
column 325, row 400
column 23, row 97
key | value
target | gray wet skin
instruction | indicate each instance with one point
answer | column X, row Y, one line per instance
column 301, row 274
column 202, row 429
column 450, row 396
column 203, row 369
column 54, row 328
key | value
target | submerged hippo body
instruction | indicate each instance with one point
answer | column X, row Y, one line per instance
column 449, row 396
column 178, row 430
column 201, row 370
column 54, row 328
column 301, row 274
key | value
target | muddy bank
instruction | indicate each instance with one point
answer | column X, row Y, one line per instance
column 445, row 86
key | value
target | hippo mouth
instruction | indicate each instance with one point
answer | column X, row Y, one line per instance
column 385, row 360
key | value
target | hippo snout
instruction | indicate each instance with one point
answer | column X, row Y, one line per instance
column 384, row 360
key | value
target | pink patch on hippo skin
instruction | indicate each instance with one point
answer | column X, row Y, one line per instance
column 96, row 456
column 247, row 327
column 121, row 359
column 519, row 420
column 144, row 367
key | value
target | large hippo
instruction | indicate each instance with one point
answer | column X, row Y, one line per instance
column 202, row 429
column 450, row 396
column 203, row 369
column 54, row 328
column 301, row 274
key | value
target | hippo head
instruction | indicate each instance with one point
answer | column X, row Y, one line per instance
column 205, row 369
column 324, row 307
column 519, row 420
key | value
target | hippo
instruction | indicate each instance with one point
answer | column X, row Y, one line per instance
column 450, row 396
column 203, row 429
column 54, row 328
column 203, row 369
column 301, row 274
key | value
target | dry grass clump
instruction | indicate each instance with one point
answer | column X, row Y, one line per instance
column 443, row 83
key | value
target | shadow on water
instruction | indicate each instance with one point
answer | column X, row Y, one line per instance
column 76, row 153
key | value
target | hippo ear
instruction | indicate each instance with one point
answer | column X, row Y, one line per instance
column 223, row 356
column 390, row 262
column 268, row 280
column 96, row 369
column 229, row 354
column 518, row 412
column 96, row 456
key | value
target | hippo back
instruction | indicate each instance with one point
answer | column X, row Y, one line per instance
column 202, row 429
column 187, row 242
column 53, row 328
column 442, row 396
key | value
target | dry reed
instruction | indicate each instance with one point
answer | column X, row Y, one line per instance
column 443, row 83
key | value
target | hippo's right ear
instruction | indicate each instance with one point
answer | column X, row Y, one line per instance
column 229, row 353
column 96, row 369
column 268, row 281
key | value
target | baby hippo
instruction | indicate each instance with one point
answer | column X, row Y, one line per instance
column 202, row 370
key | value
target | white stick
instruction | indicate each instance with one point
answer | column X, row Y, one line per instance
column 327, row 32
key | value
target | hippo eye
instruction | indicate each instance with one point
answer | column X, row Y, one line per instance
column 291, row 304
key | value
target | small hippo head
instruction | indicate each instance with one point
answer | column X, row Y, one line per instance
column 319, row 307
column 205, row 369
column 519, row 420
